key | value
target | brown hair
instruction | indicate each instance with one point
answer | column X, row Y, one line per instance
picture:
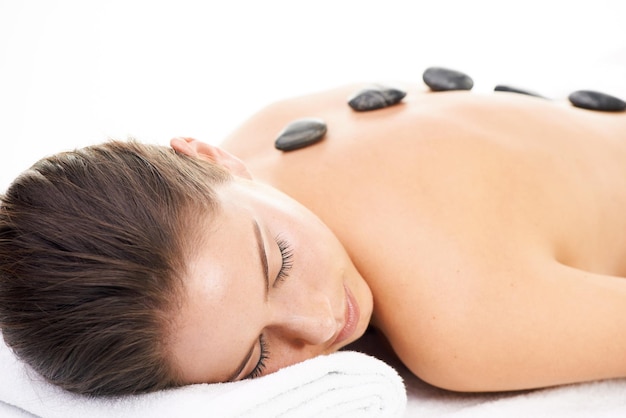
column 93, row 246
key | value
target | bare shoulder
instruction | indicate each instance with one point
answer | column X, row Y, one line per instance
column 546, row 324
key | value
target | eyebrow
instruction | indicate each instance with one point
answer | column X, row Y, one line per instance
column 262, row 256
column 264, row 264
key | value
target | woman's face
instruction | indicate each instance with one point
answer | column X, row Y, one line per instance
column 269, row 286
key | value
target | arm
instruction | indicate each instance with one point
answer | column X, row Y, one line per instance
column 563, row 325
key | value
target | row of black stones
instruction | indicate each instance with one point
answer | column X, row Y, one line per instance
column 308, row 131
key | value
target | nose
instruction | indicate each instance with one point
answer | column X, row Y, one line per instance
column 307, row 319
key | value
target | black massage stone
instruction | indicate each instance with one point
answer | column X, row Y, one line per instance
column 511, row 89
column 300, row 133
column 444, row 79
column 594, row 100
column 375, row 97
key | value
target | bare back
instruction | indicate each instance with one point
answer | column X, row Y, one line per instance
column 488, row 227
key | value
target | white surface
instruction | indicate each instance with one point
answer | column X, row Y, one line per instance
column 77, row 72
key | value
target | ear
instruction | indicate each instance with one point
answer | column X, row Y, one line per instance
column 198, row 149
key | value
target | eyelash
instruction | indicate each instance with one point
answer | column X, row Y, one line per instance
column 261, row 364
column 286, row 253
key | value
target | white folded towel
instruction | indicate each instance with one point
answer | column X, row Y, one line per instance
column 342, row 384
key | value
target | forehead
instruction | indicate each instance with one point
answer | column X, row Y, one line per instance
column 222, row 297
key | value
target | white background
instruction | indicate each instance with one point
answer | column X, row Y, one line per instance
column 74, row 73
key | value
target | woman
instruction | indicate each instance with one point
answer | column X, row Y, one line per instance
column 481, row 235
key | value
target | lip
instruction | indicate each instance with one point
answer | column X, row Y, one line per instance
column 352, row 316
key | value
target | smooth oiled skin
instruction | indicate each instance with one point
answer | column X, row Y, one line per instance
column 491, row 228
